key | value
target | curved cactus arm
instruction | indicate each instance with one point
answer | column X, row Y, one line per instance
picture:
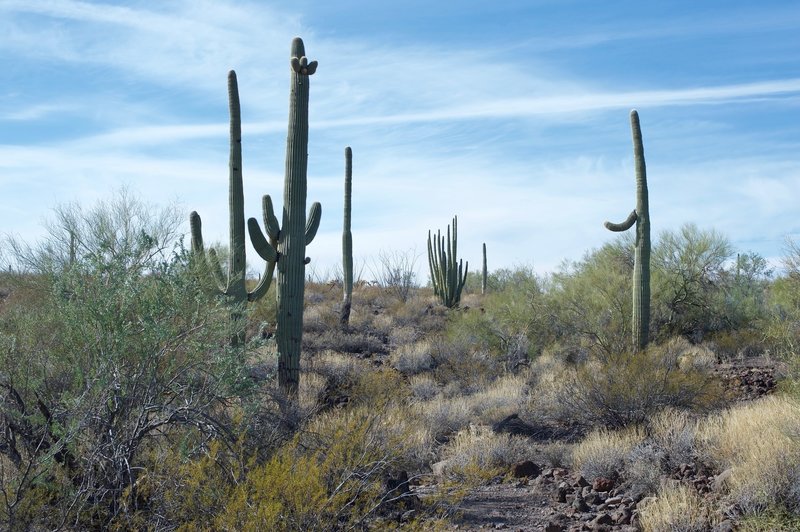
column 210, row 261
column 264, row 249
column 623, row 226
column 312, row 224
column 263, row 285
column 271, row 223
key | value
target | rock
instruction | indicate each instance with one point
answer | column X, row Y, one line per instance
column 622, row 516
column 602, row 484
column 603, row 519
column 580, row 482
column 561, row 494
column 724, row 526
column 526, row 469
column 579, row 503
column 611, row 501
column 553, row 526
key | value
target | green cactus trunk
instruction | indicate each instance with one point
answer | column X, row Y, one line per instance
column 447, row 275
column 641, row 266
column 234, row 285
column 347, row 240
column 287, row 242
column 484, row 272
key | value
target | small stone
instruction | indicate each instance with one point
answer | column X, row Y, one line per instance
column 613, row 500
column 552, row 526
column 622, row 516
column 561, row 494
column 581, row 482
column 724, row 526
column 603, row 519
column 602, row 484
column 579, row 503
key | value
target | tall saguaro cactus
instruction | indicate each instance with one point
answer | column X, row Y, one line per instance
column 347, row 239
column 484, row 272
column 641, row 217
column 447, row 275
column 287, row 242
column 232, row 284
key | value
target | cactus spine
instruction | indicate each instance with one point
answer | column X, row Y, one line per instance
column 641, row 217
column 347, row 239
column 447, row 276
column 287, row 242
column 232, row 284
column 484, row 273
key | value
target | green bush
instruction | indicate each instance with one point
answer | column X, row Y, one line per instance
column 119, row 347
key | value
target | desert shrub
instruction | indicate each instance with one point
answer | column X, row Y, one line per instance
column 423, row 387
column 464, row 365
column 675, row 509
column 412, row 358
column 675, row 434
column 603, row 453
column 477, row 454
column 395, row 271
column 514, row 322
column 625, row 388
column 760, row 441
column 123, row 348
column 590, row 300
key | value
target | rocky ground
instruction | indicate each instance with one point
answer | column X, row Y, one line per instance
column 533, row 497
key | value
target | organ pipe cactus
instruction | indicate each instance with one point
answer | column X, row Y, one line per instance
column 287, row 241
column 447, row 275
column 641, row 217
column 232, row 284
column 347, row 239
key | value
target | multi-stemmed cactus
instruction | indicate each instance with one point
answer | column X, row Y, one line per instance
column 287, row 241
column 232, row 284
column 641, row 217
column 447, row 275
column 347, row 240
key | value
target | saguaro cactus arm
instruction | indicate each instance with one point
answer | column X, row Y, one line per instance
column 622, row 226
column 209, row 261
column 312, row 224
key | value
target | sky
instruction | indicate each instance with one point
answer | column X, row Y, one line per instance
column 512, row 115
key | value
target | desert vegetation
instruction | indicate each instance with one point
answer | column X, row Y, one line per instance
column 144, row 386
column 127, row 405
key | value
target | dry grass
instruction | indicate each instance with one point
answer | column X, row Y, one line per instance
column 446, row 415
column 760, row 442
column 603, row 453
column 477, row 453
column 412, row 358
column 676, row 509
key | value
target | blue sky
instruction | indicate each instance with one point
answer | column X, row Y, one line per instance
column 512, row 115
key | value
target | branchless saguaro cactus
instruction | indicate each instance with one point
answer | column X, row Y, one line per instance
column 484, row 272
column 232, row 284
column 447, row 275
column 641, row 217
column 347, row 239
column 287, row 241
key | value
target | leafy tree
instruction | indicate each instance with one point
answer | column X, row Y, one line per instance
column 119, row 349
